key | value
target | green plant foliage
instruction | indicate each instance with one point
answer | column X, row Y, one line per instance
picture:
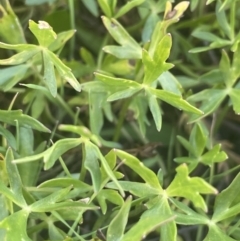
column 119, row 120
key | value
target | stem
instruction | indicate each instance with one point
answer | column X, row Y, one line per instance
column 72, row 22
column 101, row 52
column 232, row 19
column 65, row 167
column 122, row 115
column 83, row 169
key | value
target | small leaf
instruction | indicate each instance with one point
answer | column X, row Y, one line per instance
column 49, row 74
column 92, row 6
column 130, row 48
column 198, row 140
column 223, row 207
column 190, row 188
column 21, row 57
column 235, row 98
column 216, row 234
column 104, row 5
column 43, row 32
column 124, row 94
column 61, row 39
column 145, row 173
column 64, row 71
column 127, row 7
column 174, row 100
column 155, row 110
column 117, row 226
column 10, row 117
column 53, row 153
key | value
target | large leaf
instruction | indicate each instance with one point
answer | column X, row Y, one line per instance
column 184, row 186
column 15, row 226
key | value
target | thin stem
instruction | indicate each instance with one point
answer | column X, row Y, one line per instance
column 72, row 22
column 232, row 19
column 65, row 167
column 101, row 53
column 83, row 169
column 122, row 116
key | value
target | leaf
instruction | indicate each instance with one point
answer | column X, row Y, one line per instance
column 149, row 221
column 43, row 32
column 124, row 94
column 155, row 65
column 235, row 98
column 61, row 39
column 145, row 173
column 90, row 157
column 117, row 226
column 64, row 71
column 190, row 217
column 170, row 83
column 12, row 75
column 212, row 99
column 214, row 155
column 110, row 195
column 155, row 110
column 21, row 57
column 15, row 226
column 14, row 178
column 223, row 207
column 216, row 234
column 127, row 7
column 11, row 141
column 92, row 6
column 49, row 73
column 198, row 140
column 130, row 48
column 10, row 117
column 184, row 186
column 136, row 188
column 104, row 5
column 53, row 153
column 174, row 100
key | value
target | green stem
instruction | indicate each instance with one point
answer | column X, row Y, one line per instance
column 101, row 52
column 232, row 19
column 83, row 169
column 65, row 167
column 72, row 22
column 122, row 116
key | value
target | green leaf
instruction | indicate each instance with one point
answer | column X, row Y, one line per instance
column 136, row 188
column 174, row 100
column 216, row 234
column 61, row 39
column 14, row 178
column 106, row 8
column 186, row 144
column 15, row 226
column 12, row 75
column 90, row 157
column 212, row 99
column 64, row 71
column 11, row 30
column 223, row 207
column 49, row 73
column 198, row 140
column 92, row 6
column 190, row 217
column 214, row 155
column 21, row 57
column 43, row 32
column 130, row 48
column 53, row 153
column 10, row 117
column 184, row 186
column 155, row 65
column 155, row 110
column 145, row 173
column 11, row 141
column 235, row 98
column 124, row 94
column 110, row 195
column 127, row 7
column 170, row 83
column 117, row 226
column 150, row 220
